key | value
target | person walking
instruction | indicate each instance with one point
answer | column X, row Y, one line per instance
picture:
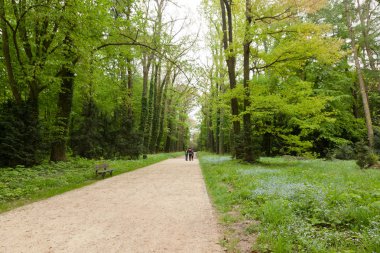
column 191, row 154
column 186, row 154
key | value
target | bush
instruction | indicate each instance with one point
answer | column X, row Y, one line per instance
column 18, row 134
column 344, row 152
column 101, row 135
column 365, row 156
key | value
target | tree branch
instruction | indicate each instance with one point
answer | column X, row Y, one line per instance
column 278, row 60
column 156, row 51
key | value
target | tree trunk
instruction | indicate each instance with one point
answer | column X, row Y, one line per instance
column 168, row 141
column 231, row 62
column 130, row 94
column 58, row 149
column 147, row 60
column 363, row 88
column 248, row 145
column 355, row 106
column 364, row 16
column 155, row 111
column 7, row 55
column 217, row 131
column 210, row 128
column 163, row 104
column 220, row 110
column 149, row 115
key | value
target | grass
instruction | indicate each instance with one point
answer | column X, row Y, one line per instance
column 20, row 185
column 298, row 205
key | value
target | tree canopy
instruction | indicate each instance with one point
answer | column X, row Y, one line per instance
column 119, row 79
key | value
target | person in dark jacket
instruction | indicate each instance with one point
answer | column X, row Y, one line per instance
column 191, row 154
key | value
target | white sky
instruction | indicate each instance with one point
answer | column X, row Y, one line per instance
column 191, row 9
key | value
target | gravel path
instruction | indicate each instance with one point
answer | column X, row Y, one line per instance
column 160, row 208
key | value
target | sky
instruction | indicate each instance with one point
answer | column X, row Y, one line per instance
column 191, row 9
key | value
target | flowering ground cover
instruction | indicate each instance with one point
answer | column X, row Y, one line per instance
column 289, row 205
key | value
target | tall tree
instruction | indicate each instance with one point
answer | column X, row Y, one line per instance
column 363, row 88
column 7, row 55
column 249, row 155
column 230, row 57
column 367, row 18
column 64, row 103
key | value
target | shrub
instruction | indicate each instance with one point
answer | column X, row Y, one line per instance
column 365, row 156
column 344, row 152
column 18, row 134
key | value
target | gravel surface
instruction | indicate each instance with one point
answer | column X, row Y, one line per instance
column 160, row 208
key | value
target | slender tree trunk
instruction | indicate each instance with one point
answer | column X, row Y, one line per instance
column 218, row 116
column 168, row 141
column 149, row 115
column 164, row 107
column 159, row 116
column 130, row 95
column 248, row 145
column 220, row 91
column 217, row 131
column 155, row 110
column 147, row 60
column 221, row 134
column 363, row 89
column 181, row 133
column 231, row 62
column 210, row 127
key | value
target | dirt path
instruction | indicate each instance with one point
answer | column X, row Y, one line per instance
column 160, row 208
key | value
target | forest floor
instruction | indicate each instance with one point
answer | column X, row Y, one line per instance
column 160, row 208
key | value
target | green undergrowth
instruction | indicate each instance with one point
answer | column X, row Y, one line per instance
column 298, row 205
column 20, row 185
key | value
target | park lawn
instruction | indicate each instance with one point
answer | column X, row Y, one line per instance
column 290, row 205
column 19, row 186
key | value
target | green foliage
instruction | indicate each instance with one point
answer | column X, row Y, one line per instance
column 18, row 135
column 343, row 152
column 97, row 134
column 289, row 113
column 365, row 156
column 94, row 47
column 299, row 205
column 304, row 94
column 86, row 135
column 22, row 185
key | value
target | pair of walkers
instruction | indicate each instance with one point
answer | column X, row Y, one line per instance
column 189, row 154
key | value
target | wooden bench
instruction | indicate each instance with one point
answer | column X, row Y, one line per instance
column 103, row 169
